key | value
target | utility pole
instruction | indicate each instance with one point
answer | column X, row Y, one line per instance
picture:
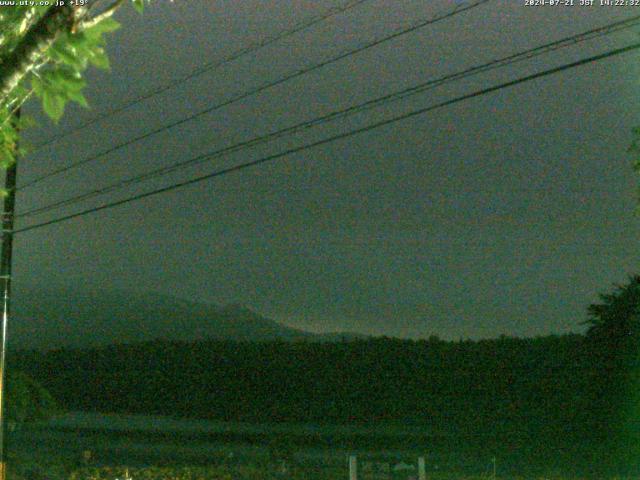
column 5, row 284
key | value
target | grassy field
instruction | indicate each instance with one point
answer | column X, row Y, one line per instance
column 162, row 448
column 60, row 467
column 139, row 441
column 244, row 472
column 233, row 473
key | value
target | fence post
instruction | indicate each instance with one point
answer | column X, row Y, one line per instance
column 422, row 471
column 353, row 468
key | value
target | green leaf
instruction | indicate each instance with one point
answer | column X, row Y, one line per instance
column 53, row 105
column 37, row 85
column 25, row 122
column 85, row 46
column 138, row 5
column 100, row 59
column 5, row 158
column 107, row 25
column 70, row 80
column 6, row 161
column 78, row 98
column 61, row 52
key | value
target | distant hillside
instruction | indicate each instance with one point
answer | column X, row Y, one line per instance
column 45, row 318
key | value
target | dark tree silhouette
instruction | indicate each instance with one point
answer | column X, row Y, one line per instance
column 613, row 346
column 615, row 321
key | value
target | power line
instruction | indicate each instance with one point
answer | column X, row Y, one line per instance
column 404, row 93
column 242, row 96
column 208, row 67
column 334, row 138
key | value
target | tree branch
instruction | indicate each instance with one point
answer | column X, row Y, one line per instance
column 108, row 12
column 33, row 45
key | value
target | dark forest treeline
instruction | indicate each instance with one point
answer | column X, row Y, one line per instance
column 566, row 399
column 445, row 385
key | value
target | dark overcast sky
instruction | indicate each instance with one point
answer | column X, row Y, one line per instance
column 507, row 213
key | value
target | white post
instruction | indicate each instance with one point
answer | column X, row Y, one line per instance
column 422, row 471
column 353, row 468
